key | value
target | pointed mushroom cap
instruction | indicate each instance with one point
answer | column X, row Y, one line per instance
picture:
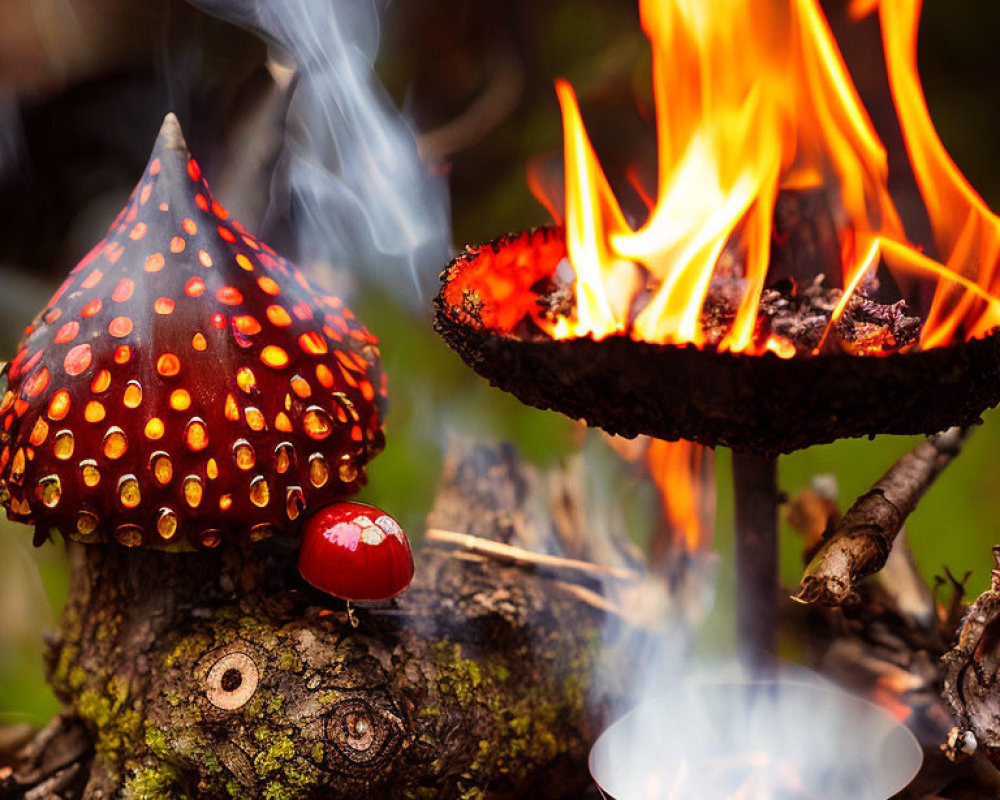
column 185, row 382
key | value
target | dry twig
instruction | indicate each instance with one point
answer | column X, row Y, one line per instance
column 518, row 555
column 860, row 543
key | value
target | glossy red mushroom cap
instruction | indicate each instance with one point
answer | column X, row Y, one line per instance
column 186, row 383
column 356, row 552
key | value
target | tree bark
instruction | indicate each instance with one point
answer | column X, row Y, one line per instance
column 220, row 674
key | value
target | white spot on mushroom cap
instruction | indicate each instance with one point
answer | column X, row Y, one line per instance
column 391, row 527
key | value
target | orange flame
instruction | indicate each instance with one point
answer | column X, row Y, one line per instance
column 753, row 97
column 683, row 473
column 966, row 232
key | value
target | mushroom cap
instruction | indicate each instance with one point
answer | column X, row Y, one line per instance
column 185, row 383
column 356, row 552
column 487, row 311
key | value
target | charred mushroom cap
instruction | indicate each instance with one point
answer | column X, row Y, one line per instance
column 488, row 311
column 186, row 383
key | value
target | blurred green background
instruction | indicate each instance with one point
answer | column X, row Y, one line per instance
column 84, row 84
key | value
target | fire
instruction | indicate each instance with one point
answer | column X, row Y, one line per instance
column 753, row 98
column 684, row 476
column 683, row 473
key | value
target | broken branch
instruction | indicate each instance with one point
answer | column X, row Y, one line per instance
column 860, row 544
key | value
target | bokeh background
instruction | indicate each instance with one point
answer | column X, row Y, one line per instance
column 84, row 85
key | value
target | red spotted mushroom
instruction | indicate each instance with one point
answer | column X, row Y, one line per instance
column 355, row 552
column 186, row 384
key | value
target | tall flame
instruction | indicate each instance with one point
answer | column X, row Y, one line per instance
column 753, row 97
column 966, row 232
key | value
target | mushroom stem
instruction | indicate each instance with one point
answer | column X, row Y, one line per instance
column 755, row 485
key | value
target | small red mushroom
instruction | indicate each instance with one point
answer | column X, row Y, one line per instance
column 355, row 552
column 186, row 383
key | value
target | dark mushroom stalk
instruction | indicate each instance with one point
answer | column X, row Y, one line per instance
column 186, row 385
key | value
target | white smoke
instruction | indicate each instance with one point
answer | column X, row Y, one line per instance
column 359, row 194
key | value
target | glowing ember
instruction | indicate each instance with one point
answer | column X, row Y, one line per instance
column 753, row 101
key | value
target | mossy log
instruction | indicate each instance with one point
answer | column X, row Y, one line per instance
column 219, row 674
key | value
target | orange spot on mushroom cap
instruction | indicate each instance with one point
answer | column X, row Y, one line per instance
column 278, row 316
column 101, row 382
column 77, row 359
column 229, row 295
column 246, row 380
column 324, row 376
column 274, row 356
column 94, row 411
column 67, row 332
column 312, row 343
column 246, row 324
column 154, row 428
column 132, row 398
column 36, row 383
column 180, row 400
column 120, row 327
column 59, row 405
column 269, row 285
column 92, row 279
column 123, row 291
column 92, row 308
column 168, row 365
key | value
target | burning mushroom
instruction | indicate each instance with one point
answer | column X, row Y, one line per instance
column 186, row 384
column 697, row 323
